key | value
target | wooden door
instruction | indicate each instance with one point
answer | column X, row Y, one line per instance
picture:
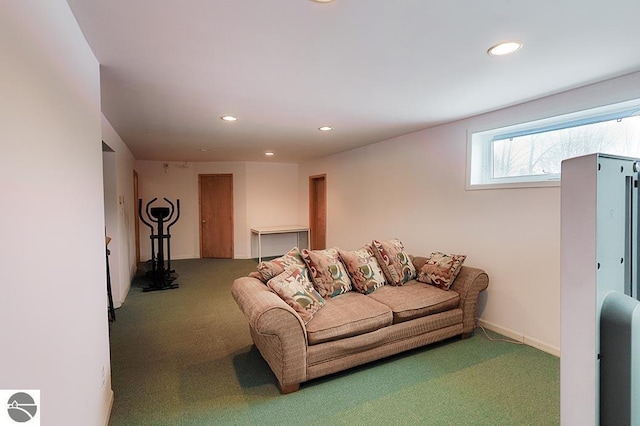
column 136, row 219
column 318, row 211
column 216, row 215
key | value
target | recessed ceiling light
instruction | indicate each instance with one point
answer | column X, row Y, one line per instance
column 325, row 128
column 269, row 153
column 204, row 149
column 228, row 118
column 322, row 1
column 505, row 48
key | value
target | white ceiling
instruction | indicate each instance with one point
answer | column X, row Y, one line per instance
column 372, row 69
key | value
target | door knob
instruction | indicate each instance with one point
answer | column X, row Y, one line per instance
column 204, row 221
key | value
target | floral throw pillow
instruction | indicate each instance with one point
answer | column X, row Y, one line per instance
column 272, row 268
column 441, row 269
column 364, row 269
column 294, row 287
column 327, row 272
column 395, row 262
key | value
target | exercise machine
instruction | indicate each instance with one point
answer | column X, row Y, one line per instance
column 162, row 278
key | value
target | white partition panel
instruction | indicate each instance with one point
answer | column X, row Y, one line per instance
column 598, row 193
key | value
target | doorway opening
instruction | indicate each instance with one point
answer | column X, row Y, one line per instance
column 318, row 211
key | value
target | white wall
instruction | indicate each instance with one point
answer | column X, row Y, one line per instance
column 413, row 187
column 120, row 227
column 175, row 184
column 263, row 194
column 53, row 322
column 272, row 200
column 111, row 216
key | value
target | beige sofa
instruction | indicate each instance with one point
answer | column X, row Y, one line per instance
column 355, row 328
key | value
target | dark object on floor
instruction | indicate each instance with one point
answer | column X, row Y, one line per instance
column 161, row 278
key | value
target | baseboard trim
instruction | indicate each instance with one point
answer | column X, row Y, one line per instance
column 527, row 340
column 109, row 408
column 184, row 257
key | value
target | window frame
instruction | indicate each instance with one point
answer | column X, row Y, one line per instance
column 480, row 144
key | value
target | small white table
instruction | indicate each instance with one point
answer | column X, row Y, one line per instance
column 288, row 229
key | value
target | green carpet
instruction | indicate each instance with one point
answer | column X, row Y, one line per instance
column 185, row 357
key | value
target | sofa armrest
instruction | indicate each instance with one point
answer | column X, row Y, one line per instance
column 277, row 331
column 468, row 284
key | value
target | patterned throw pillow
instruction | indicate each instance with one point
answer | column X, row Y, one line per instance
column 272, row 268
column 394, row 261
column 327, row 272
column 294, row 287
column 441, row 269
column 364, row 270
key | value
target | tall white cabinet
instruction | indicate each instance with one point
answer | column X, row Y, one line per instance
column 598, row 231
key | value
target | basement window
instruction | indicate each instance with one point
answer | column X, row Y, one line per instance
column 530, row 154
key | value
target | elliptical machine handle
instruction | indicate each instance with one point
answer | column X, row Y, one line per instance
column 140, row 213
column 172, row 209
column 149, row 215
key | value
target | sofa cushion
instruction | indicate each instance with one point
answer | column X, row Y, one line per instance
column 441, row 269
column 415, row 299
column 272, row 268
column 294, row 287
column 338, row 355
column 327, row 271
column 363, row 269
column 395, row 262
column 347, row 315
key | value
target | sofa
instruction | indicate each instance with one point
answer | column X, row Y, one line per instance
column 307, row 322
